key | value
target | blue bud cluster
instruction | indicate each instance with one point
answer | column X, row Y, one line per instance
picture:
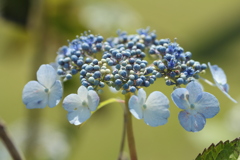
column 121, row 63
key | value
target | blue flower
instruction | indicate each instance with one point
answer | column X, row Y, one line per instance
column 196, row 104
column 79, row 106
column 46, row 91
column 154, row 110
column 220, row 80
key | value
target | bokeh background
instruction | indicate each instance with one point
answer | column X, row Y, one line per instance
column 31, row 33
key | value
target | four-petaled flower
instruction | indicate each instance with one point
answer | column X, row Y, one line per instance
column 196, row 104
column 154, row 110
column 220, row 80
column 79, row 106
column 46, row 91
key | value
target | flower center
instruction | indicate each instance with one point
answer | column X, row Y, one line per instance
column 144, row 106
column 46, row 90
column 192, row 106
column 84, row 103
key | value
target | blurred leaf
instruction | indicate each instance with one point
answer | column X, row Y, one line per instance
column 223, row 150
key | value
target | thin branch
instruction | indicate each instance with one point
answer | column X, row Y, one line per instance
column 8, row 142
column 120, row 157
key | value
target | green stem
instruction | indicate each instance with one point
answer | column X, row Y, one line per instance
column 9, row 143
column 131, row 142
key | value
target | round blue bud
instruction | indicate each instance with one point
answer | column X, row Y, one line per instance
column 67, row 59
column 60, row 72
column 91, row 80
column 85, row 46
column 132, row 89
column 74, row 71
column 74, row 58
column 89, row 68
column 169, row 82
column 163, row 41
column 161, row 49
column 191, row 62
column 139, row 82
column 128, row 66
column 172, row 74
column 142, row 55
column 83, row 72
column 151, row 51
column 95, row 61
column 203, row 66
column 151, row 80
column 110, row 63
column 180, row 80
column 136, row 67
column 146, row 84
column 149, row 70
column 132, row 77
column 88, row 60
column 131, row 60
column 188, row 55
column 117, row 76
column 66, row 65
column 107, row 77
column 130, row 44
column 97, row 74
column 142, row 65
column 118, row 81
column 161, row 66
column 130, row 82
column 79, row 63
column 158, row 75
column 90, row 88
column 99, row 39
column 85, row 83
column 101, row 84
column 96, row 67
column 60, row 61
column 123, row 73
column 125, row 86
column 118, row 55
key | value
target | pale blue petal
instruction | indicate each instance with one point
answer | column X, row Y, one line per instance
column 191, row 122
column 93, row 100
column 79, row 116
column 224, row 89
column 180, row 98
column 207, row 104
column 83, row 92
column 134, row 107
column 194, row 90
column 218, row 74
column 55, row 94
column 34, row 95
column 72, row 102
column 141, row 96
column 156, row 116
column 157, row 99
column 46, row 75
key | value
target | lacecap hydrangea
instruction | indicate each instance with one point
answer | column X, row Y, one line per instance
column 128, row 63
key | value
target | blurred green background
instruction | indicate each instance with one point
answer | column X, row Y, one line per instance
column 31, row 33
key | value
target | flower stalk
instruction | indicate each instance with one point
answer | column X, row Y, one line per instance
column 130, row 136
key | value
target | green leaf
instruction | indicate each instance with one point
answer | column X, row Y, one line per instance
column 222, row 151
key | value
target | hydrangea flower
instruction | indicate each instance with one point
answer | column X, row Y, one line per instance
column 220, row 80
column 196, row 104
column 154, row 110
column 46, row 91
column 79, row 106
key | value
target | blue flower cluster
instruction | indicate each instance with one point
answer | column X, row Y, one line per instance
column 122, row 64
column 128, row 63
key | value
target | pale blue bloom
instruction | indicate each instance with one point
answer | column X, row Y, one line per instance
column 220, row 80
column 196, row 104
column 154, row 110
column 79, row 106
column 46, row 91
